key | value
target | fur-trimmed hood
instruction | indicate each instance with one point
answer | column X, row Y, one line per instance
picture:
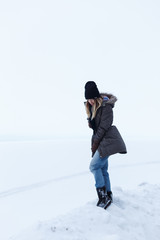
column 111, row 99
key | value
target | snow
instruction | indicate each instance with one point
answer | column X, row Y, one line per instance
column 47, row 192
column 49, row 49
column 133, row 215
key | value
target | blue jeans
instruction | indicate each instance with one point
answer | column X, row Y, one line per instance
column 99, row 168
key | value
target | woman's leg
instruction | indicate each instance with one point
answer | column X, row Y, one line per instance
column 96, row 168
column 106, row 175
column 99, row 167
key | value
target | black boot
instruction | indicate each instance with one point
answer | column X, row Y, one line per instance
column 110, row 195
column 102, row 197
column 109, row 199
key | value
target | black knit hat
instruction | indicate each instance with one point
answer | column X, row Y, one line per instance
column 91, row 90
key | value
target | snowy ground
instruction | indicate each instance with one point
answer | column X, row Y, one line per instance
column 43, row 180
column 134, row 215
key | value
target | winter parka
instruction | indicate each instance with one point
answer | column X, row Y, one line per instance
column 106, row 136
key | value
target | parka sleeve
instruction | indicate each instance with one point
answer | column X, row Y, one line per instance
column 106, row 121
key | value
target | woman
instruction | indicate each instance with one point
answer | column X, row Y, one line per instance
column 106, row 139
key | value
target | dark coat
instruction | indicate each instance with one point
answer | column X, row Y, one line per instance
column 106, row 136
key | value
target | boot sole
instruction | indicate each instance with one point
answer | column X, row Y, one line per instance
column 107, row 204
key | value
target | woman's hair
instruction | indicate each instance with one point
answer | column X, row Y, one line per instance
column 96, row 105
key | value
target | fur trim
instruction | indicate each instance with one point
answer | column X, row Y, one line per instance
column 112, row 98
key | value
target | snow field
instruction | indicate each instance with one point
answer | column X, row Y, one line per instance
column 133, row 215
column 39, row 181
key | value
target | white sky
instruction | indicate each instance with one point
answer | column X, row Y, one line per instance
column 50, row 49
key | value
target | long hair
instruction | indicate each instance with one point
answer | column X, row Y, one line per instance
column 96, row 105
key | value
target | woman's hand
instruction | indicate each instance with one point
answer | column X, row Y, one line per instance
column 89, row 124
column 94, row 147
